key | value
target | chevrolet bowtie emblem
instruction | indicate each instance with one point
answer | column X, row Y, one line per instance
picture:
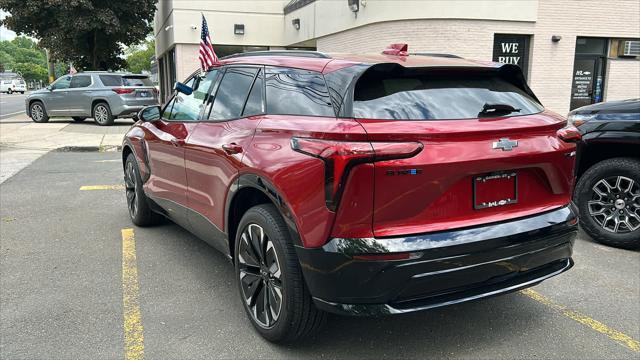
column 505, row 144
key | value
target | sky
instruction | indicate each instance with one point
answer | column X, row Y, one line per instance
column 5, row 34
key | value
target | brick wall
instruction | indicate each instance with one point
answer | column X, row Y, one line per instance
column 551, row 64
column 623, row 80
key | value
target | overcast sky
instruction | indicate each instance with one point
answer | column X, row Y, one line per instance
column 5, row 34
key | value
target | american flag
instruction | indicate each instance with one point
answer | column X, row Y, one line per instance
column 207, row 56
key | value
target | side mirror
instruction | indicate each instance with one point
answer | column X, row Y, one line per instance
column 149, row 113
column 50, row 88
column 180, row 87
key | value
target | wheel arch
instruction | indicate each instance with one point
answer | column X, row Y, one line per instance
column 96, row 101
column 31, row 101
column 248, row 191
column 593, row 151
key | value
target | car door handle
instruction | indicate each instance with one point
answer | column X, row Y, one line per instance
column 232, row 148
column 177, row 142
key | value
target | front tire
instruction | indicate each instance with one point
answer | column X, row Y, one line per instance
column 608, row 198
column 38, row 112
column 272, row 289
column 9, row 91
column 139, row 210
column 102, row 114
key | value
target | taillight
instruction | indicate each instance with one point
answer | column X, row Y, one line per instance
column 121, row 91
column 570, row 134
column 340, row 156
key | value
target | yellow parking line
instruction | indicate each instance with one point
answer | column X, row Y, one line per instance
column 133, row 331
column 613, row 334
column 102, row 187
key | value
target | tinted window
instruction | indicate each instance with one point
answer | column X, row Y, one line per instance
column 62, row 83
column 136, row 81
column 254, row 102
column 297, row 92
column 232, row 93
column 111, row 80
column 410, row 94
column 188, row 107
column 80, row 81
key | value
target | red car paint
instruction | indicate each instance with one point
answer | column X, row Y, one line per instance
column 195, row 164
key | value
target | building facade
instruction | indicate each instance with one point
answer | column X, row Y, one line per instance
column 573, row 52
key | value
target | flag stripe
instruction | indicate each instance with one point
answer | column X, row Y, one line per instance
column 207, row 55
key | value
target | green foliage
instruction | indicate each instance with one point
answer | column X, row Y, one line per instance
column 23, row 55
column 32, row 71
column 139, row 58
column 88, row 33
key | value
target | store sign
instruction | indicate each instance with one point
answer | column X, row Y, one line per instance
column 512, row 49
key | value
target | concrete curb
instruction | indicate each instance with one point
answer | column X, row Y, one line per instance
column 103, row 148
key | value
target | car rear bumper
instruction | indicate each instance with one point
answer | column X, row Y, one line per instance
column 442, row 268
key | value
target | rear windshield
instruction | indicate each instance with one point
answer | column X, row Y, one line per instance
column 419, row 94
column 119, row 80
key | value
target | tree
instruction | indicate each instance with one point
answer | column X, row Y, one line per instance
column 32, row 72
column 89, row 33
column 139, row 58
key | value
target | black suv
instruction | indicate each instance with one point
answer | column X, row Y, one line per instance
column 608, row 189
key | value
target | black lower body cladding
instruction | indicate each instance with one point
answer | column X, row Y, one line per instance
column 440, row 268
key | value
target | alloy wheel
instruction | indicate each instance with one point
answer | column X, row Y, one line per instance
column 37, row 113
column 101, row 114
column 260, row 276
column 615, row 204
column 131, row 186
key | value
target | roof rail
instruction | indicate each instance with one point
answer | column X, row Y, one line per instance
column 437, row 55
column 295, row 53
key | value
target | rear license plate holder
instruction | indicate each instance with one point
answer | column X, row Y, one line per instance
column 143, row 94
column 495, row 189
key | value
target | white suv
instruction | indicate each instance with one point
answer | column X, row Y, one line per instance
column 14, row 85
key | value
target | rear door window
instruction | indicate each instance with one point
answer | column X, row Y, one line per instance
column 297, row 92
column 80, row 81
column 419, row 94
column 232, row 93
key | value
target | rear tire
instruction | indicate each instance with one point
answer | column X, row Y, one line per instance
column 139, row 210
column 38, row 112
column 102, row 114
column 608, row 198
column 9, row 91
column 270, row 269
column 78, row 118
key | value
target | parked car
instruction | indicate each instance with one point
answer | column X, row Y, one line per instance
column 13, row 85
column 608, row 189
column 104, row 96
column 359, row 185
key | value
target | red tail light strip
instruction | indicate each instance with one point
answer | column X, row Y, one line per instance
column 340, row 156
column 123, row 90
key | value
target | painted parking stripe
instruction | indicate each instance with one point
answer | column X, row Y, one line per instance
column 615, row 335
column 102, row 187
column 133, row 330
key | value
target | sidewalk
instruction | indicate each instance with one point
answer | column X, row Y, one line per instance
column 23, row 141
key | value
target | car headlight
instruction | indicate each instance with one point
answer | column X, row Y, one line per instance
column 579, row 119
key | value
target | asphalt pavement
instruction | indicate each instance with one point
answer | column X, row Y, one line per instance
column 67, row 290
column 11, row 105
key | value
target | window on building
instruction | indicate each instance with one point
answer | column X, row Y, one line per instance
column 80, row 81
column 625, row 49
column 232, row 93
column 297, row 92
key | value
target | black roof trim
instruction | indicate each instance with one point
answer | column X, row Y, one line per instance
column 294, row 53
column 294, row 5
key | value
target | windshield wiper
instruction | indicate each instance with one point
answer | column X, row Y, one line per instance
column 495, row 109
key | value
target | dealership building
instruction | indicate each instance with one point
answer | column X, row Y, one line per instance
column 572, row 52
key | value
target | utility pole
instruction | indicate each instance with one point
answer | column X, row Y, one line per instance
column 50, row 68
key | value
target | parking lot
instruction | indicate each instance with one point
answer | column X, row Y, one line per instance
column 75, row 282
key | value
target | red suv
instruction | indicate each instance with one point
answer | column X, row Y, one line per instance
column 360, row 185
